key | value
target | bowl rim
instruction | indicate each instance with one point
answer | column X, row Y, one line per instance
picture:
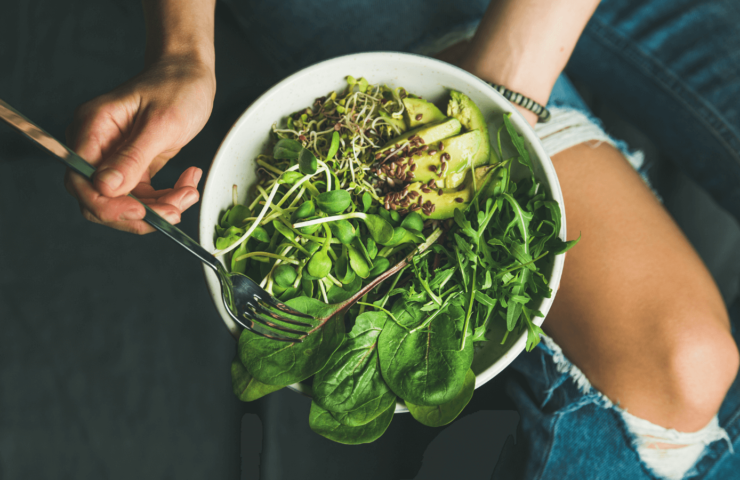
column 520, row 124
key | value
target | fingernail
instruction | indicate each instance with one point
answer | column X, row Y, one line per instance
column 112, row 178
column 188, row 200
column 131, row 215
column 198, row 176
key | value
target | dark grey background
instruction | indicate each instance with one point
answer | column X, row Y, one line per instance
column 113, row 361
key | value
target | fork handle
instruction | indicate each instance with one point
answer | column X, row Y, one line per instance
column 60, row 151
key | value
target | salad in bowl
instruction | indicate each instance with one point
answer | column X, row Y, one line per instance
column 420, row 226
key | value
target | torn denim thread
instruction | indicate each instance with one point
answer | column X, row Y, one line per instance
column 671, row 464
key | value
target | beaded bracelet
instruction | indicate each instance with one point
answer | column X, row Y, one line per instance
column 524, row 102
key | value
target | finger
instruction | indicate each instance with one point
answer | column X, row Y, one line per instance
column 183, row 196
column 145, row 191
column 106, row 210
column 119, row 173
column 121, row 213
column 89, row 216
column 189, row 178
column 96, row 128
column 140, row 227
column 180, row 198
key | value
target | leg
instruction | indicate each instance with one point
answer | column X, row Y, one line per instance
column 637, row 311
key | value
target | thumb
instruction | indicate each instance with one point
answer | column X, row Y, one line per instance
column 122, row 171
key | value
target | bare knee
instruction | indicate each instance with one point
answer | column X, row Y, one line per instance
column 674, row 371
column 701, row 366
column 683, row 373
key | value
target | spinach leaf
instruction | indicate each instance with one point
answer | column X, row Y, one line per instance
column 362, row 415
column 247, row 388
column 443, row 414
column 351, row 379
column 322, row 422
column 282, row 363
column 426, row 367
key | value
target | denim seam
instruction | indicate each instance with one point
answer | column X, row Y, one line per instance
column 645, row 63
column 555, row 420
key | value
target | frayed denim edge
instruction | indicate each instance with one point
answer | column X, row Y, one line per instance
column 708, row 435
column 570, row 126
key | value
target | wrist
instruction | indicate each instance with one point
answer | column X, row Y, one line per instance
column 529, row 84
column 514, row 70
column 525, row 44
column 197, row 50
column 180, row 29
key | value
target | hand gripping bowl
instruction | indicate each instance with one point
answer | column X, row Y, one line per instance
column 234, row 163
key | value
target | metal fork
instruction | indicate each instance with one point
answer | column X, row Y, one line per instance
column 246, row 302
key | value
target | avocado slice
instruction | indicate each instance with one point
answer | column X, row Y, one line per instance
column 396, row 122
column 461, row 149
column 446, row 203
column 467, row 112
column 429, row 133
column 420, row 112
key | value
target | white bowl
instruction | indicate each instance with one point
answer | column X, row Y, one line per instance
column 234, row 163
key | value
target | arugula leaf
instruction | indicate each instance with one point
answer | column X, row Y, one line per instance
column 522, row 219
column 558, row 246
column 479, row 334
column 518, row 142
column 514, row 309
column 465, row 226
column 533, row 331
column 485, row 299
column 465, row 249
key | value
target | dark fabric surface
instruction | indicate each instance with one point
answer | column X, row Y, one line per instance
column 113, row 361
